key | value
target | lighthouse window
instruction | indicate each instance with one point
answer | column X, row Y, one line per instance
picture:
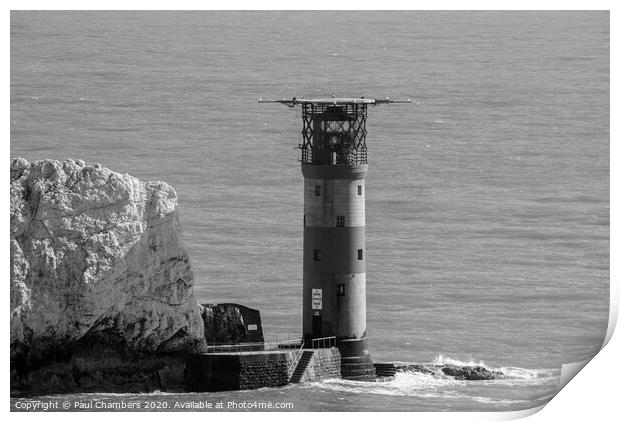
column 340, row 221
column 317, row 254
column 359, row 189
column 360, row 254
column 340, row 289
column 317, row 190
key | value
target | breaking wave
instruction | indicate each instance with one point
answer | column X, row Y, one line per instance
column 445, row 360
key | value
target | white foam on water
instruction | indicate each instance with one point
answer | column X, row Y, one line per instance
column 445, row 360
column 524, row 373
column 404, row 384
column 501, row 402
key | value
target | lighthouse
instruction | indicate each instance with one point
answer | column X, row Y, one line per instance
column 334, row 165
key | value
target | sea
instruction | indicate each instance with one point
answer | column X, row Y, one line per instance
column 487, row 212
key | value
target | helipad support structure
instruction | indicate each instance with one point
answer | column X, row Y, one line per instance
column 334, row 164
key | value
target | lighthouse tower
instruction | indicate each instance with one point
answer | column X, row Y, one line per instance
column 334, row 165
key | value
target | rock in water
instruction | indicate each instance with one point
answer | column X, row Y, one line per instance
column 470, row 373
column 96, row 255
column 467, row 373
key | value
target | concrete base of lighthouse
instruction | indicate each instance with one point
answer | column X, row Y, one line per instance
column 356, row 363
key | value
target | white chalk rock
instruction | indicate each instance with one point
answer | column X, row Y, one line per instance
column 95, row 251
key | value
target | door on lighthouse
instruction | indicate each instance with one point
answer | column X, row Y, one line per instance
column 317, row 323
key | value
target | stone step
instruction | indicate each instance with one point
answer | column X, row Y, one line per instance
column 302, row 365
column 385, row 369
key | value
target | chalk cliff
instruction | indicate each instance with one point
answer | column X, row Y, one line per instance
column 97, row 257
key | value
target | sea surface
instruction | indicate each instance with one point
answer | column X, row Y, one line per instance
column 487, row 206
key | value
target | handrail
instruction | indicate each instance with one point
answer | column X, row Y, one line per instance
column 236, row 344
column 252, row 346
column 324, row 342
column 292, row 341
column 240, row 347
column 293, row 366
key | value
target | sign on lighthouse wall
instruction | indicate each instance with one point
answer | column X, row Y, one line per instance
column 317, row 299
